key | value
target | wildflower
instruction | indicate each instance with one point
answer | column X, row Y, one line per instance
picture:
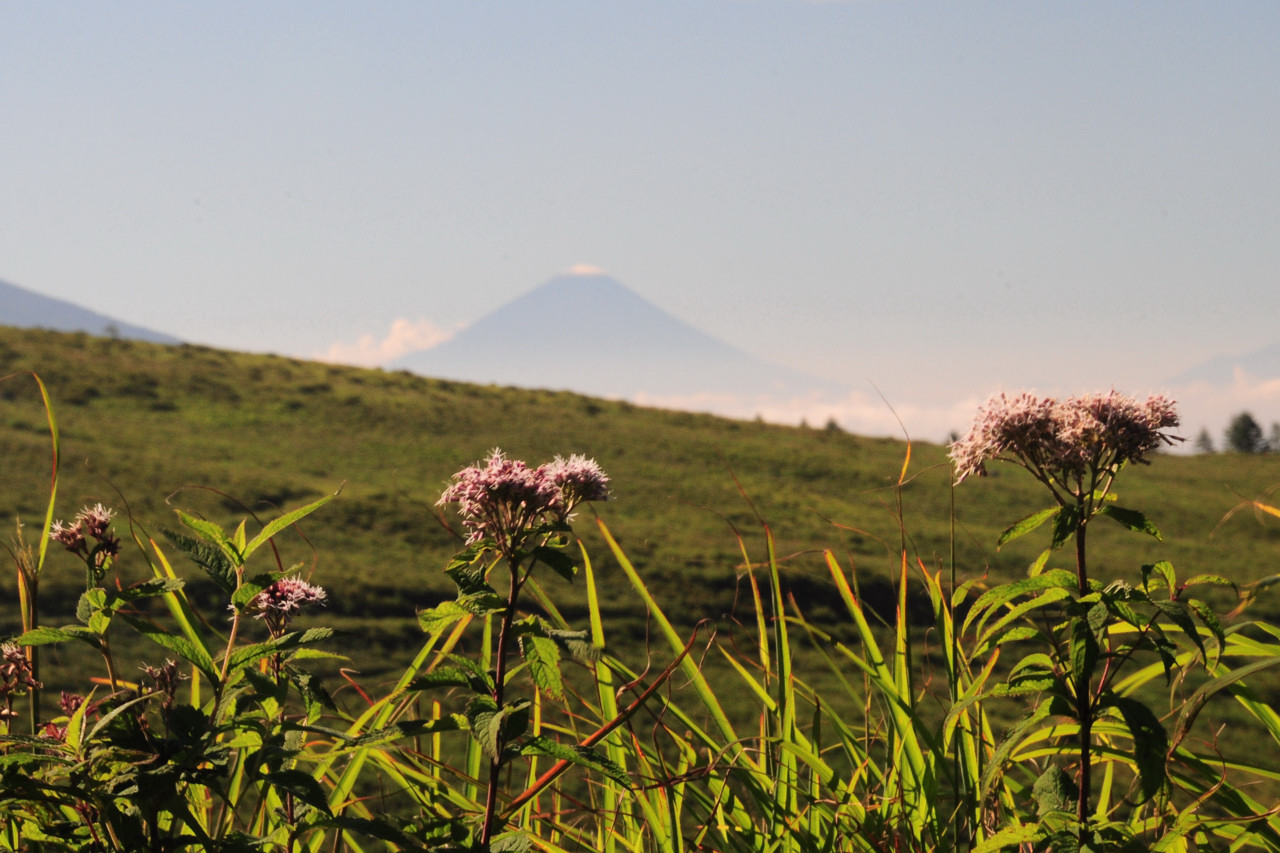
column 92, row 522
column 1063, row 441
column 95, row 519
column 503, row 500
column 276, row 604
column 15, row 670
column 70, row 535
column 579, row 479
column 166, row 678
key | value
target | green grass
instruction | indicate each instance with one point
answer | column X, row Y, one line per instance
column 148, row 429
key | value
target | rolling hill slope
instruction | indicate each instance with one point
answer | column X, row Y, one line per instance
column 148, row 428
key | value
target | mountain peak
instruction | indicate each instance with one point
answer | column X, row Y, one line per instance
column 585, row 331
column 585, row 269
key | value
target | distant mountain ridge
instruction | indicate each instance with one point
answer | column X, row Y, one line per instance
column 27, row 309
column 590, row 334
column 1261, row 364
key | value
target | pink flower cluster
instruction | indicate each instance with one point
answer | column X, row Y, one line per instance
column 505, row 498
column 93, row 522
column 276, row 604
column 1064, row 439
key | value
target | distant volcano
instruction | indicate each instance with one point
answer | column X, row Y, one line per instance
column 1261, row 364
column 27, row 309
column 590, row 334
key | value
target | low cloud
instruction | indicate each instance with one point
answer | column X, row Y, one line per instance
column 406, row 336
column 1206, row 406
column 863, row 414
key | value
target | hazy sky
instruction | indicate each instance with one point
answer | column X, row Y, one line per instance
column 944, row 199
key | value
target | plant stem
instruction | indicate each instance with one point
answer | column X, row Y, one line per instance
column 1084, row 705
column 499, row 677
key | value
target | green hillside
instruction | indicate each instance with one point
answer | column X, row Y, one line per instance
column 149, row 428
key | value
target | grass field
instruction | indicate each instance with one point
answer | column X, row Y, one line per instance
column 148, row 429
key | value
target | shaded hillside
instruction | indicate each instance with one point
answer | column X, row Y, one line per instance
column 142, row 424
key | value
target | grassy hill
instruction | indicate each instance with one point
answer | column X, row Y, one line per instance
column 149, row 428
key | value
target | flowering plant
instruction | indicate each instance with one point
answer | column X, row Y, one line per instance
column 1076, row 447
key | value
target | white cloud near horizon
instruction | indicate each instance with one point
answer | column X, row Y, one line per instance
column 859, row 413
column 404, row 337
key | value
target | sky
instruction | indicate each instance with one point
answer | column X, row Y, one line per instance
column 929, row 201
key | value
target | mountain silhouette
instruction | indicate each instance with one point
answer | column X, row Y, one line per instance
column 1260, row 364
column 28, row 309
column 590, row 334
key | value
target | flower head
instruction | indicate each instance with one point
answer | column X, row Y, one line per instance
column 287, row 595
column 277, row 604
column 578, row 478
column 15, row 670
column 1064, row 439
column 504, row 499
column 90, row 523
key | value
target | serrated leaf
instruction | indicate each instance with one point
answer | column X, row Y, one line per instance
column 587, row 757
column 435, row 619
column 1131, row 519
column 1054, row 791
column 43, row 636
column 482, row 603
column 247, row 655
column 1000, row 595
column 1084, row 651
column 1064, row 526
column 511, row 842
column 1026, row 525
column 576, row 643
column 1180, row 615
column 543, row 658
column 1164, row 571
column 1150, row 743
column 208, row 557
column 558, row 561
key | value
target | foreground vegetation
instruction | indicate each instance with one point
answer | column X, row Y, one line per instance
column 905, row 688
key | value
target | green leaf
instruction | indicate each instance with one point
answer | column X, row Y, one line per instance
column 467, row 572
column 492, row 727
column 1131, row 519
column 250, row 654
column 1028, row 524
column 511, row 842
column 189, row 651
column 250, row 588
column 282, row 522
column 543, row 657
column 558, row 561
column 1150, row 743
column 1084, row 651
column 576, row 643
column 582, row 756
column 435, row 619
column 302, row 785
column 1064, row 526
column 482, row 603
column 209, row 558
column 1180, row 615
column 1054, row 791
column 1000, row 595
column 44, row 636
column 1164, row 570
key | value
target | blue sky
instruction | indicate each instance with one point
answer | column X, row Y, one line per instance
column 942, row 199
